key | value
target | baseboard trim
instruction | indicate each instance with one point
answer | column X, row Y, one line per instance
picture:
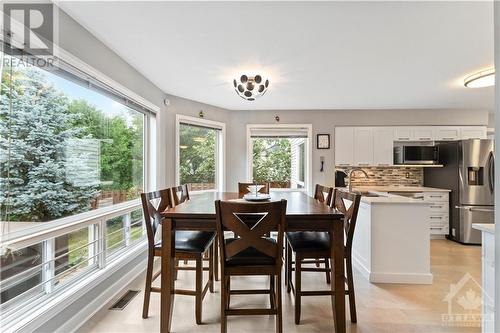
column 404, row 278
column 360, row 267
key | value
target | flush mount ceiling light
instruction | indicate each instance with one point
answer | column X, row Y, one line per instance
column 485, row 78
column 250, row 87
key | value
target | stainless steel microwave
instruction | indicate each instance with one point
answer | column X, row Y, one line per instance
column 416, row 155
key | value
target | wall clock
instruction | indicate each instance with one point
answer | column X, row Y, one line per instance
column 323, row 141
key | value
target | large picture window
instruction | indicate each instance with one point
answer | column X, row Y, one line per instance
column 200, row 154
column 279, row 155
column 67, row 147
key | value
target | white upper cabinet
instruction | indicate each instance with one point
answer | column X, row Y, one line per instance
column 422, row 134
column 344, row 146
column 373, row 146
column 473, row 132
column 363, row 146
column 383, row 146
column 447, row 133
column 403, row 134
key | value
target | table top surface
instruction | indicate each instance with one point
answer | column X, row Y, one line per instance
column 298, row 203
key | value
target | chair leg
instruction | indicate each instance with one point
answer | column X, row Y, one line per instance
column 199, row 288
column 176, row 263
column 298, row 287
column 147, row 288
column 327, row 266
column 286, row 262
column 216, row 258
column 272, row 283
column 223, row 306
column 279, row 315
column 288, row 269
column 350, row 286
column 228, row 292
column 211, row 268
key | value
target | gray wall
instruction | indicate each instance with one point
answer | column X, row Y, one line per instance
column 323, row 121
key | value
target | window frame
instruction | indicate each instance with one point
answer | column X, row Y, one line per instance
column 220, row 165
column 308, row 154
column 31, row 310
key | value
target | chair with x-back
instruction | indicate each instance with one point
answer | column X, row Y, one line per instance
column 189, row 245
column 250, row 253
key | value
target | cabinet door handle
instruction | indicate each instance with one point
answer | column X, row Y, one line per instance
column 403, row 139
column 448, row 139
column 437, row 217
column 343, row 164
column 436, row 206
column 363, row 164
column 425, row 139
column 383, row 164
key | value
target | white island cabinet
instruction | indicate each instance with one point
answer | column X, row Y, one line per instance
column 391, row 243
column 488, row 275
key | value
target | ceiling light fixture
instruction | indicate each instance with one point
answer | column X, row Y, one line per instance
column 250, row 87
column 485, row 78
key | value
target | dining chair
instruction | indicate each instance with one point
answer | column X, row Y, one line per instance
column 243, row 188
column 322, row 194
column 180, row 194
column 189, row 245
column 251, row 253
column 314, row 245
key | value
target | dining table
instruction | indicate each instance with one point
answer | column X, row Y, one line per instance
column 303, row 213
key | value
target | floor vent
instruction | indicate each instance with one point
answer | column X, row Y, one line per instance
column 123, row 302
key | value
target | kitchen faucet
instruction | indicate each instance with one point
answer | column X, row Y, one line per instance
column 351, row 172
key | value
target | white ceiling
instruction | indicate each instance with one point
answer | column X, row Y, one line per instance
column 321, row 55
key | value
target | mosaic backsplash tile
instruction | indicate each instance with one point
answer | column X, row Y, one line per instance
column 383, row 176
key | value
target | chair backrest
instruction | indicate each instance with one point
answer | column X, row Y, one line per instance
column 350, row 214
column 231, row 216
column 243, row 188
column 153, row 203
column 180, row 194
column 319, row 194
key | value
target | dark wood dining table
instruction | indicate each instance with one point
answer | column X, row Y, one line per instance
column 303, row 213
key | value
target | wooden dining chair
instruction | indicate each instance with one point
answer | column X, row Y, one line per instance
column 317, row 245
column 243, row 188
column 322, row 194
column 189, row 245
column 180, row 194
column 251, row 253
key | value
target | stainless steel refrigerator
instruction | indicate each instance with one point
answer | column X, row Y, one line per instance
column 469, row 173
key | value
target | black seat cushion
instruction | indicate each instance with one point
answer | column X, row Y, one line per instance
column 192, row 241
column 250, row 256
column 302, row 241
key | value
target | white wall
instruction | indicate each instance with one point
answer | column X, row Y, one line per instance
column 497, row 165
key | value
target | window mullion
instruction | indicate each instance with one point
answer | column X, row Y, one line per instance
column 48, row 271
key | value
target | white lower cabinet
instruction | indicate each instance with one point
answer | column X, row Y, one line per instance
column 439, row 212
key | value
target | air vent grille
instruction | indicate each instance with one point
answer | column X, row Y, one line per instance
column 124, row 300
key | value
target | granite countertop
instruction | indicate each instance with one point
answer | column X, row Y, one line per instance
column 396, row 188
column 485, row 227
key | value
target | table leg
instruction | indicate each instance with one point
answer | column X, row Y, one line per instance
column 337, row 285
column 167, row 274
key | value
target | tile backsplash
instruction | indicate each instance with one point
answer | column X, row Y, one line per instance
column 378, row 176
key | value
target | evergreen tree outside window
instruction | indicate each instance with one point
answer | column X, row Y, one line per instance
column 65, row 149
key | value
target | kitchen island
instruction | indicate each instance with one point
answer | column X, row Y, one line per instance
column 392, row 238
